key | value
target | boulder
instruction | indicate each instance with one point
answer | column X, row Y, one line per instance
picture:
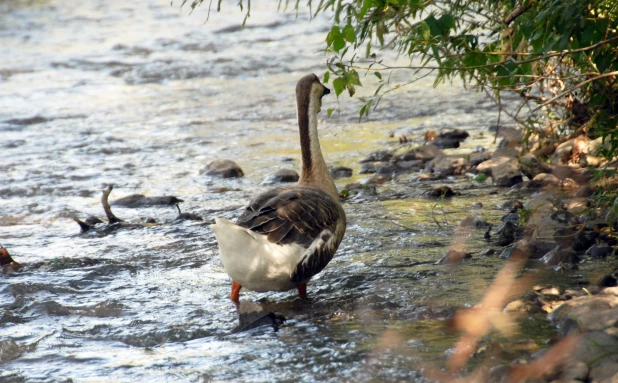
column 507, row 173
column 223, row 169
column 562, row 154
column 477, row 158
column 544, row 181
column 424, row 153
column 378, row 156
column 560, row 255
column 282, row 175
column 444, row 166
column 599, row 250
column 531, row 166
column 499, row 157
column 340, row 172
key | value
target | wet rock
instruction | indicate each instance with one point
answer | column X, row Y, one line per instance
column 443, row 166
column 499, row 157
column 252, row 315
column 441, row 192
column 455, row 134
column 223, row 169
column 409, row 165
column 510, row 217
column 10, row 350
column 282, row 175
column 371, row 167
column 588, row 313
column 188, row 217
column 577, row 205
column 149, row 220
column 445, row 143
column 544, row 180
column 477, row 158
column 512, row 205
column 92, row 220
column 506, row 174
column 386, row 169
column 577, row 175
column 340, row 172
column 378, row 156
column 139, row 200
column 379, row 179
column 559, row 255
column 488, row 252
column 577, row 371
column 531, row 166
column 353, row 186
column 507, row 232
column 424, row 153
column 471, row 221
column 600, row 250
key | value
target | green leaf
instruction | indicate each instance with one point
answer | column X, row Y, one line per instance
column 367, row 4
column 480, row 177
column 353, row 78
column 378, row 75
column 348, row 33
column 351, row 90
column 338, row 85
column 330, row 111
column 326, row 77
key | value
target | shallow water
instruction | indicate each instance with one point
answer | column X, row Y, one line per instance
column 141, row 95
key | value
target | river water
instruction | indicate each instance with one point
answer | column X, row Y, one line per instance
column 142, row 95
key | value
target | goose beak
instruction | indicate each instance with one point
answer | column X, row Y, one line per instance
column 326, row 91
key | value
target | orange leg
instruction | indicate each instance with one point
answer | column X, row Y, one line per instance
column 235, row 292
column 302, row 290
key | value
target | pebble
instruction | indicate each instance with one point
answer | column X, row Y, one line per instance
column 223, row 169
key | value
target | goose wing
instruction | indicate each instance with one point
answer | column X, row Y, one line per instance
column 292, row 215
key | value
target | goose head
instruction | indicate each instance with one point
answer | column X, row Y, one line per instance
column 309, row 92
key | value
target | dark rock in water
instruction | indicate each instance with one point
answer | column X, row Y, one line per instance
column 488, row 252
column 353, row 186
column 560, row 255
column 188, row 217
column 282, row 175
column 477, row 158
column 148, row 220
column 441, row 191
column 507, row 174
column 608, row 280
column 511, row 217
column 252, row 315
column 455, row 134
column 475, row 222
column 386, row 169
column 507, row 233
column 223, row 169
column 379, row 156
column 424, row 153
column 409, row 165
column 531, row 166
column 371, row 167
column 444, row 166
column 139, row 200
column 379, row 180
column 340, row 172
column 600, row 250
column 445, row 143
column 544, row 180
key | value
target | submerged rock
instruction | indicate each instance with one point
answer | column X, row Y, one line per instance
column 441, row 192
column 443, row 166
column 559, row 255
column 340, row 172
column 139, row 200
column 223, row 169
column 424, row 153
column 378, row 156
column 282, row 175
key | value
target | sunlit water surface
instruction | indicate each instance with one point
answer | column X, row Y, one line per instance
column 142, row 95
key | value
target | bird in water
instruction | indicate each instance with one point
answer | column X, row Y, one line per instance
column 287, row 235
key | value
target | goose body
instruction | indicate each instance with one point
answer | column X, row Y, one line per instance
column 287, row 235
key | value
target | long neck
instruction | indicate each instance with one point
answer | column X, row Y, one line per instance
column 313, row 170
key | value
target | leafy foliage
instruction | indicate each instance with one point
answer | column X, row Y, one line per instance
column 559, row 55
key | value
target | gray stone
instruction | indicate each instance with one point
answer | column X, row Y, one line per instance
column 477, row 158
column 378, row 156
column 454, row 134
column 371, row 167
column 340, row 172
column 507, row 173
column 386, row 169
column 544, row 180
column 424, row 153
column 560, row 255
column 139, row 200
column 522, row 306
column 410, row 165
column 600, row 250
column 282, row 175
column 223, row 169
column 443, row 166
column 531, row 166
column 507, row 232
column 577, row 371
column 511, row 217
column 587, row 313
column 445, row 143
column 563, row 153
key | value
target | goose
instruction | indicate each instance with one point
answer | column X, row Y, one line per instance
column 287, row 235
